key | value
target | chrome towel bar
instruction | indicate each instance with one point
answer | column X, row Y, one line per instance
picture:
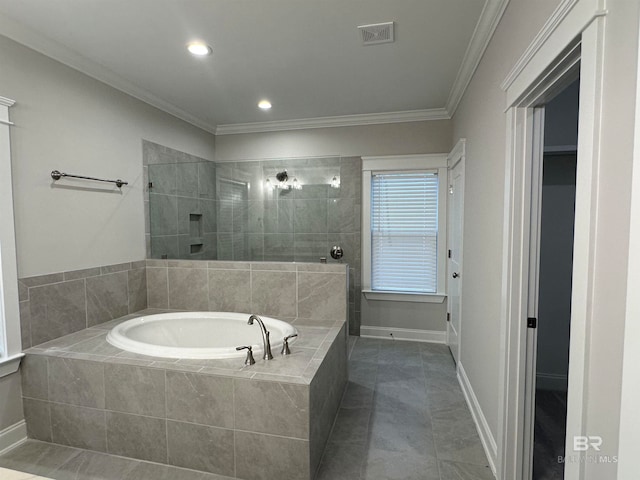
column 57, row 175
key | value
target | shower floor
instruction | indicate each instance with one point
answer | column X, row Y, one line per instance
column 403, row 416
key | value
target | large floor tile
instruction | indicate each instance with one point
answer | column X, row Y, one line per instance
column 387, row 465
column 94, row 466
column 464, row 471
column 37, row 458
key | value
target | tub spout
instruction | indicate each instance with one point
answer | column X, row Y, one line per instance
column 265, row 336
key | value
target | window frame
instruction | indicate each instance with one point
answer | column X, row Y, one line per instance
column 10, row 337
column 401, row 164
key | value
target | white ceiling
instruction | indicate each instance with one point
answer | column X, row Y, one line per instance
column 305, row 56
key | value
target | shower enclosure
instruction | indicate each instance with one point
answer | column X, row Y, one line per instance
column 289, row 210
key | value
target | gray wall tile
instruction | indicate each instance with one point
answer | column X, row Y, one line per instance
column 188, row 289
column 25, row 324
column 163, row 211
column 118, row 267
column 87, row 272
column 202, row 399
column 37, row 415
column 137, row 437
column 322, row 295
column 163, row 178
column 229, row 290
column 57, row 310
column 209, row 449
column 35, row 377
column 76, row 382
column 164, row 246
column 187, row 179
column 264, row 457
column 78, row 427
column 40, row 280
column 157, row 287
column 135, row 390
column 272, row 407
column 137, row 285
column 274, row 293
column 310, row 216
column 107, row 297
column 23, row 291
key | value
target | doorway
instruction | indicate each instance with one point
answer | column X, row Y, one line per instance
column 555, row 239
column 454, row 248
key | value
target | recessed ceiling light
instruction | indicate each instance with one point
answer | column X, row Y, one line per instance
column 264, row 104
column 199, row 49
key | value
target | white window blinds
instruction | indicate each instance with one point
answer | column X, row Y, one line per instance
column 404, row 232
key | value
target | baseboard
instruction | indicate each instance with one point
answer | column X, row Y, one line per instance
column 551, row 381
column 13, row 436
column 391, row 333
column 486, row 437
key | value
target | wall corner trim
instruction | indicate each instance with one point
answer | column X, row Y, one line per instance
column 486, row 437
column 13, row 436
column 337, row 121
column 485, row 28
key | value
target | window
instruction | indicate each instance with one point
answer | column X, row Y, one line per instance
column 404, row 227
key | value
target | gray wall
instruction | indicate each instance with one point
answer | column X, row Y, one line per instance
column 68, row 121
column 388, row 139
column 481, row 119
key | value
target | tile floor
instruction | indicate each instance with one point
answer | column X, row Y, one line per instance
column 403, row 416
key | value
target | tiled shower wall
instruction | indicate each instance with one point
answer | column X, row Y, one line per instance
column 58, row 304
column 180, row 208
column 251, row 221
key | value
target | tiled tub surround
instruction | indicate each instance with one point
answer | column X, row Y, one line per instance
column 316, row 292
column 58, row 304
column 268, row 420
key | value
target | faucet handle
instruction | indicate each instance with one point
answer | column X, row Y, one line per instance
column 249, row 360
column 285, row 346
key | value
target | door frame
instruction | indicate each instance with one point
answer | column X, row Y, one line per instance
column 572, row 38
column 455, row 157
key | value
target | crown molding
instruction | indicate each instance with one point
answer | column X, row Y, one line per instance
column 338, row 121
column 545, row 32
column 24, row 35
column 6, row 102
column 487, row 23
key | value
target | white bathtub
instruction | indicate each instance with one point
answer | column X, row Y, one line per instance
column 201, row 335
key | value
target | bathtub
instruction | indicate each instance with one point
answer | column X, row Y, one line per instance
column 196, row 335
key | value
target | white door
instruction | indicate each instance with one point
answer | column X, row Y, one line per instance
column 454, row 280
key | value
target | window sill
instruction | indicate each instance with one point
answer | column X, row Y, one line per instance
column 10, row 365
column 404, row 297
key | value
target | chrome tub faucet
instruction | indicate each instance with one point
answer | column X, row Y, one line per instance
column 265, row 336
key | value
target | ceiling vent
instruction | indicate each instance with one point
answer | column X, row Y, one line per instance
column 377, row 33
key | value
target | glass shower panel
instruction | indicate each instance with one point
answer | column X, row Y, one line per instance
column 182, row 210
